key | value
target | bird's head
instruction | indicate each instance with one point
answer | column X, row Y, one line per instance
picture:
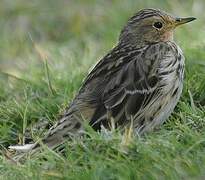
column 151, row 26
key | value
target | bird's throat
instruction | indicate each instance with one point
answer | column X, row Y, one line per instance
column 167, row 36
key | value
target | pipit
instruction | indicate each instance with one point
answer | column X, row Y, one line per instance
column 139, row 81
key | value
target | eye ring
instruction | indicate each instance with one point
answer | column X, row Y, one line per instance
column 158, row 25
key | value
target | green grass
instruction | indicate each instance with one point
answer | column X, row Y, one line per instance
column 47, row 48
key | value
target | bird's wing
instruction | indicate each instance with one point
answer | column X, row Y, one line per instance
column 122, row 83
column 126, row 79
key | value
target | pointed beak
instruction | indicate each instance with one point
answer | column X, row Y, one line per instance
column 180, row 21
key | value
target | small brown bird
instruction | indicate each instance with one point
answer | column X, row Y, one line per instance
column 139, row 81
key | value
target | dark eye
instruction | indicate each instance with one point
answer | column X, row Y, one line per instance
column 158, row 25
column 178, row 20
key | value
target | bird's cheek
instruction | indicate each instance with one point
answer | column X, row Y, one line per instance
column 167, row 36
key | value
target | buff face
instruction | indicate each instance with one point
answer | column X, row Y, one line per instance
column 151, row 27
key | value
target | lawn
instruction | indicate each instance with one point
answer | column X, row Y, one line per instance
column 47, row 48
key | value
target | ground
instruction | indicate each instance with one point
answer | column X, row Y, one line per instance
column 47, row 47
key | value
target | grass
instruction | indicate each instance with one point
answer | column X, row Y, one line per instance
column 47, row 48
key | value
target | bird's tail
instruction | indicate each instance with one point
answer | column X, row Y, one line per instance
column 66, row 128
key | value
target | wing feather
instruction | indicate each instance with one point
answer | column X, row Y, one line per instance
column 126, row 79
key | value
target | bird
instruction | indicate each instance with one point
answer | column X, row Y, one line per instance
column 139, row 81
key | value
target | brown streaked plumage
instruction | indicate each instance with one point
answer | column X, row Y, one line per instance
column 139, row 80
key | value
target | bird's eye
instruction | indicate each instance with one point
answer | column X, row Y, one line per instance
column 158, row 25
column 178, row 20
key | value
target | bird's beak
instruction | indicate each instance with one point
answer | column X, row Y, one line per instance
column 180, row 21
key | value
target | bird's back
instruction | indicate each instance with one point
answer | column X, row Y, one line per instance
column 139, row 84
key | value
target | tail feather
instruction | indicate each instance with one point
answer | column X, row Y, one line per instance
column 65, row 129
column 23, row 148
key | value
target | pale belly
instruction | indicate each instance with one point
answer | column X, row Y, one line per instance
column 159, row 111
column 167, row 96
